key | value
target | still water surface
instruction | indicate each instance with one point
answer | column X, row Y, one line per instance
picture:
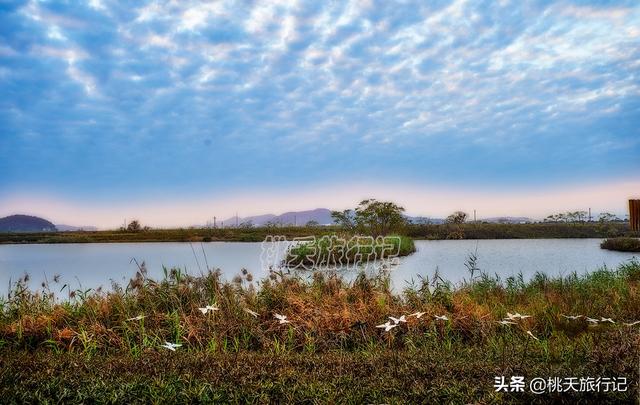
column 97, row 264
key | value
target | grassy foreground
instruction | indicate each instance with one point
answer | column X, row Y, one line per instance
column 82, row 347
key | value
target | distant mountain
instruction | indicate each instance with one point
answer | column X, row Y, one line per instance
column 256, row 220
column 321, row 215
column 25, row 223
column 71, row 228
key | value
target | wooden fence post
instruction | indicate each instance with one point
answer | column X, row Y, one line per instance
column 634, row 215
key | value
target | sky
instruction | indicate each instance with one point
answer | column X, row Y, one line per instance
column 176, row 111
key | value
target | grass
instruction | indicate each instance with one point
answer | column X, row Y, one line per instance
column 77, row 346
column 622, row 244
column 455, row 374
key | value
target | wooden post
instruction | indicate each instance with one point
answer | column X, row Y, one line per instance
column 634, row 215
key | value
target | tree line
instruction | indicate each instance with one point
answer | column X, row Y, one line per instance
column 581, row 216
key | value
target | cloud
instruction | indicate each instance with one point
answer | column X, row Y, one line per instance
column 238, row 94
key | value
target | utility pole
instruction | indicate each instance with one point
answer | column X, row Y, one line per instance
column 474, row 215
column 214, row 222
column 589, row 214
column 295, row 221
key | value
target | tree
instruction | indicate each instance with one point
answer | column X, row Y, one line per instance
column 134, row 226
column 566, row 217
column 345, row 219
column 312, row 223
column 607, row 217
column 379, row 217
column 371, row 216
column 457, row 217
column 246, row 224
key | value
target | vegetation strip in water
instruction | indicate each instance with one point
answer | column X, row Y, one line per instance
column 346, row 250
column 622, row 244
column 417, row 231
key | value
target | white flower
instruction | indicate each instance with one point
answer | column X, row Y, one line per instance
column 171, row 346
column 282, row 319
column 387, row 326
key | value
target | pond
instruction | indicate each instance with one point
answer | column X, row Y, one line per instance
column 98, row 264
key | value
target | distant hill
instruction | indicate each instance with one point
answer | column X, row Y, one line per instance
column 255, row 220
column 25, row 223
column 71, row 228
column 321, row 215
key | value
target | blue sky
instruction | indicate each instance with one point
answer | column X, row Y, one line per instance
column 107, row 103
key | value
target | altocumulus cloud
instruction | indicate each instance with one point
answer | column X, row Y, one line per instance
column 107, row 96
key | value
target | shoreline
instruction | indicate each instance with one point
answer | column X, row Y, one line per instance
column 467, row 231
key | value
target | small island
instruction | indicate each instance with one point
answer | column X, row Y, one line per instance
column 622, row 244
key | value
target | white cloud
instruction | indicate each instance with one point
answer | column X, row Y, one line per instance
column 334, row 77
column 55, row 33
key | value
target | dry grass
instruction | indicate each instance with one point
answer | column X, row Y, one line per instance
column 332, row 328
column 326, row 312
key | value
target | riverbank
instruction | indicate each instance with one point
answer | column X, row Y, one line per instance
column 91, row 345
column 431, row 232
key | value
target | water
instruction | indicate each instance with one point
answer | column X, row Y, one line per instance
column 97, row 264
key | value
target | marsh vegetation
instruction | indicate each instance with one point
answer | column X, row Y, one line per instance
column 337, row 251
column 258, row 234
column 622, row 244
column 330, row 351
